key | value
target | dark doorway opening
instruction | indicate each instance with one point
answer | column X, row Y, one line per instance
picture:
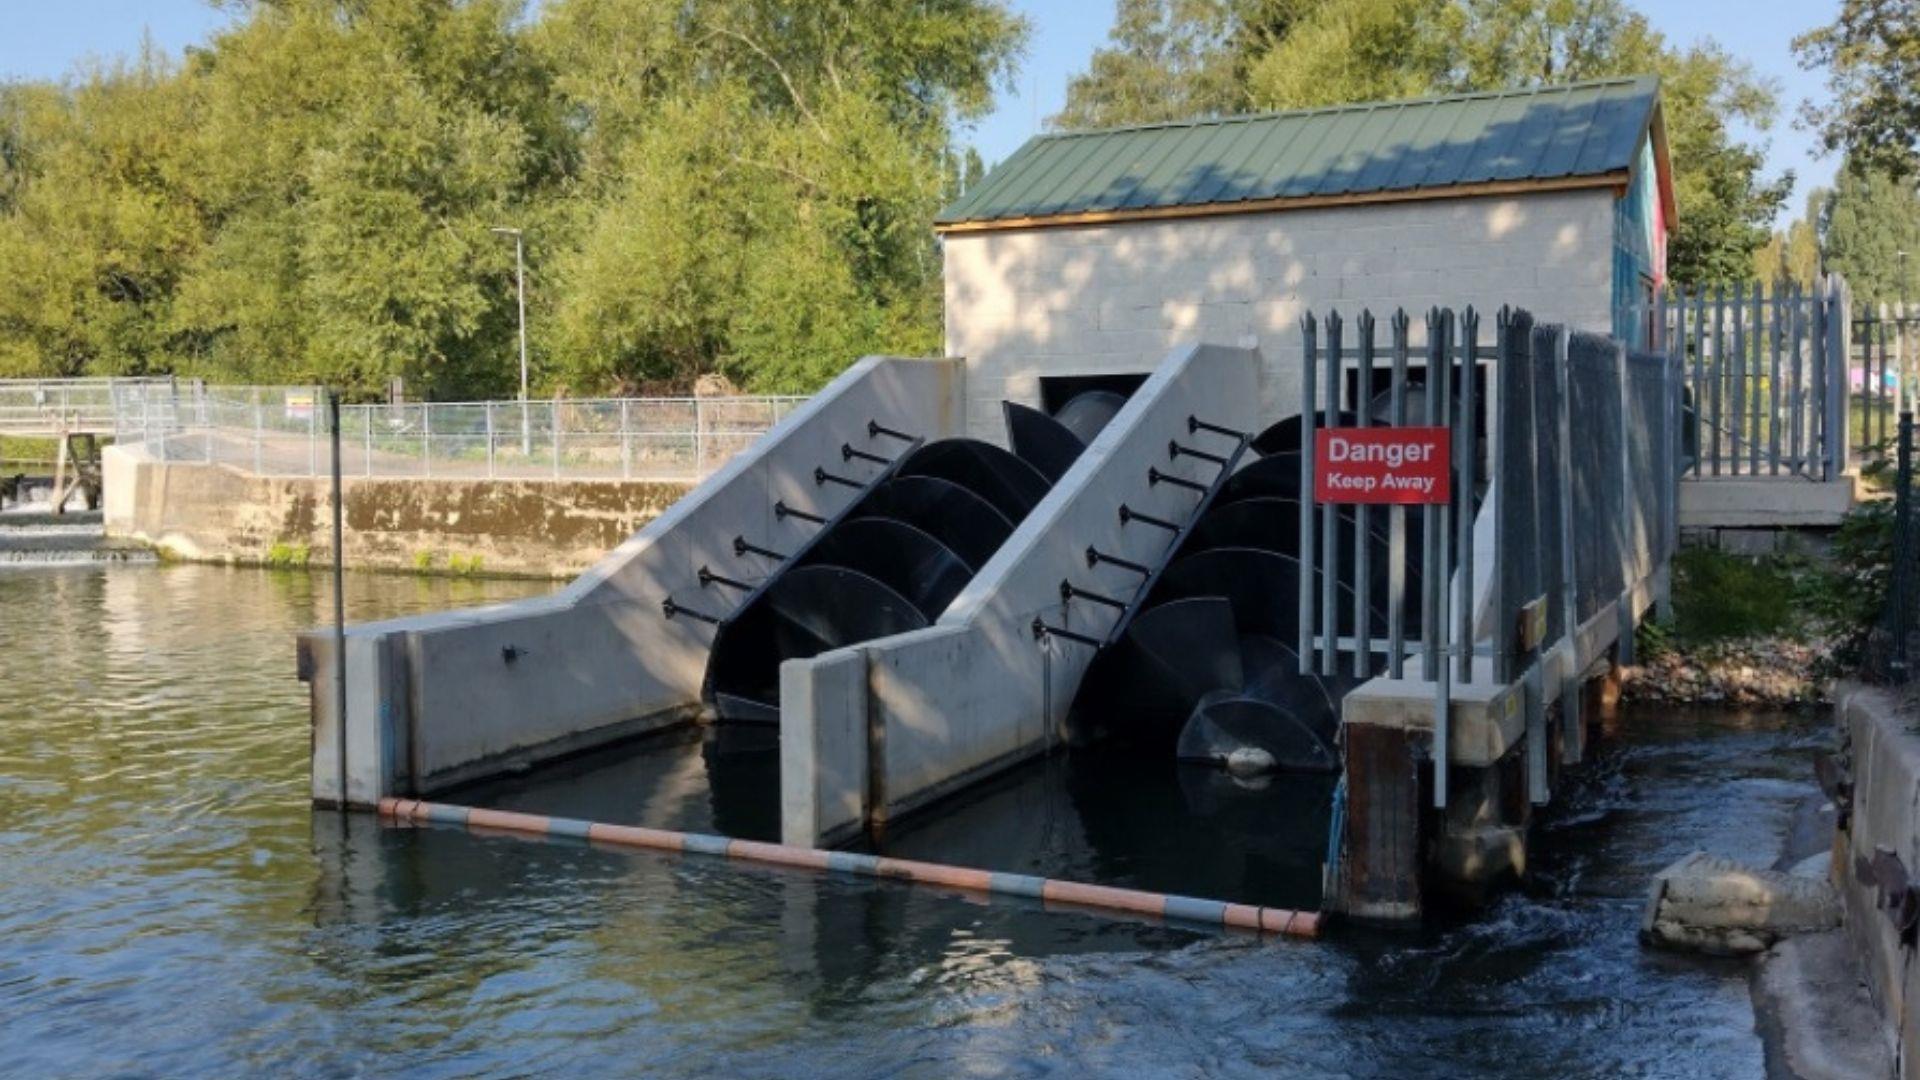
column 1057, row 390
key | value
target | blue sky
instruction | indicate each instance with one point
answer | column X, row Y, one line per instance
column 46, row 38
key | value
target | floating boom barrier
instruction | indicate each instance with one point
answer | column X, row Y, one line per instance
column 1055, row 894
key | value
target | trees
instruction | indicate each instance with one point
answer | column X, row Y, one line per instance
column 1872, row 56
column 737, row 185
column 1299, row 53
column 764, row 207
column 1793, row 254
column 92, row 233
column 350, row 159
column 1872, row 217
column 1170, row 60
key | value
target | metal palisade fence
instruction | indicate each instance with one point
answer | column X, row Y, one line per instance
column 1565, row 463
column 282, row 431
column 1770, row 376
column 1882, row 376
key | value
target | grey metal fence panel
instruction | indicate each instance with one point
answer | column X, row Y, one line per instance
column 1598, row 486
column 1647, row 457
column 1516, row 458
column 1774, row 382
column 1548, row 452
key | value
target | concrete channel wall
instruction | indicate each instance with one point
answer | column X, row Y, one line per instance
column 873, row 731
column 1879, row 724
column 218, row 513
column 441, row 699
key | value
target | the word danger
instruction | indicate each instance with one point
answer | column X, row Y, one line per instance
column 1381, row 465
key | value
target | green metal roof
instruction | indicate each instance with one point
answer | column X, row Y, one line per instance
column 1589, row 129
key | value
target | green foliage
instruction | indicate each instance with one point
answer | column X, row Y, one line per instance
column 1653, row 639
column 465, row 565
column 1717, row 595
column 423, row 561
column 1793, row 254
column 16, row 450
column 1872, row 56
column 1182, row 58
column 1871, row 217
column 1169, row 60
column 715, row 185
column 1862, row 569
column 284, row 556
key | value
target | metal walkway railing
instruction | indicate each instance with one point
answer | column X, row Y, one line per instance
column 42, row 408
column 282, row 431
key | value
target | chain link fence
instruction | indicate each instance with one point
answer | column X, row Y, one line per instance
column 283, row 431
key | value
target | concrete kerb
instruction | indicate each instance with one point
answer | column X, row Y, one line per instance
column 1104, row 900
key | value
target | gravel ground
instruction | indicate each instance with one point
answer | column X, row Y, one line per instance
column 1756, row 671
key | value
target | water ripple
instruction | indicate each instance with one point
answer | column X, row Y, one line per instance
column 170, row 905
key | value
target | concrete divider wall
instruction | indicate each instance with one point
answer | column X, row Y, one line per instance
column 439, row 699
column 947, row 705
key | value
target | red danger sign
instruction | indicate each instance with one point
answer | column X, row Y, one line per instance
column 1382, row 465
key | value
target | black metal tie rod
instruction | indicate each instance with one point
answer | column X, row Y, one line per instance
column 708, row 577
column 1175, row 452
column 1042, row 630
column 1194, row 424
column 1156, row 477
column 741, row 548
column 1128, row 515
column 848, row 453
column 1070, row 592
column 782, row 511
column 822, row 476
column 1095, row 557
column 671, row 609
column 876, row 429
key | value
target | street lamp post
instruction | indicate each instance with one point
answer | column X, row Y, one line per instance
column 520, row 286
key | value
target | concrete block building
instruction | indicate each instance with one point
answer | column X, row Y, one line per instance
column 1089, row 254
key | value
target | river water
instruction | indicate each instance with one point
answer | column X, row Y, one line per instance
column 169, row 905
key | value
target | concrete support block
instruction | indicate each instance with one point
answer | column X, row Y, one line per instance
column 1714, row 905
column 1763, row 502
column 1485, row 719
column 378, row 753
column 1472, row 863
column 823, row 748
column 1481, row 841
